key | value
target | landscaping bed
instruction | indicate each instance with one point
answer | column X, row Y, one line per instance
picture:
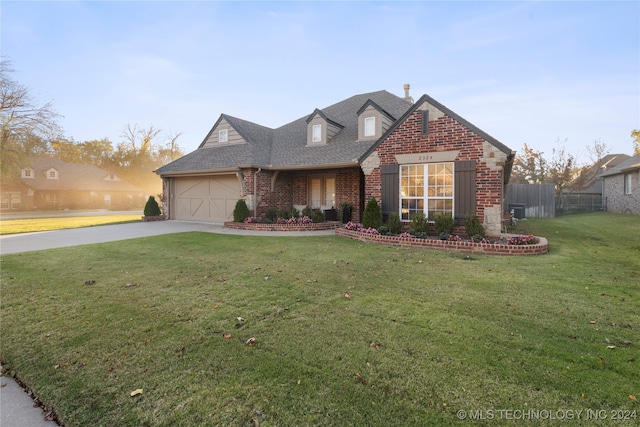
column 462, row 246
column 257, row 226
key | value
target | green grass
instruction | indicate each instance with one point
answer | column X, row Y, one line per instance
column 29, row 225
column 423, row 334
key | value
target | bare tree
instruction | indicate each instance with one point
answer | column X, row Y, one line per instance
column 170, row 151
column 26, row 127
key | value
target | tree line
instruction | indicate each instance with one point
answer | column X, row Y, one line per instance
column 29, row 130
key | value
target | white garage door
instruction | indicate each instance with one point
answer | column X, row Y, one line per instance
column 211, row 198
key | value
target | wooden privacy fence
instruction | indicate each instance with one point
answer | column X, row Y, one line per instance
column 537, row 200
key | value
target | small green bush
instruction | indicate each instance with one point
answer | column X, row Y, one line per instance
column 152, row 208
column 473, row 227
column 419, row 223
column 383, row 230
column 307, row 211
column 271, row 214
column 241, row 211
column 317, row 215
column 443, row 224
column 372, row 216
column 394, row 223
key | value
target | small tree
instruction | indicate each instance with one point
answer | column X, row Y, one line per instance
column 152, row 208
column 372, row 217
column 241, row 211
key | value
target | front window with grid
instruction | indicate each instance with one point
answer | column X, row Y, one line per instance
column 426, row 188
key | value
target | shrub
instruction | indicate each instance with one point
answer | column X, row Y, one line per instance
column 443, row 224
column 394, row 224
column 317, row 215
column 271, row 214
column 307, row 211
column 290, row 213
column 241, row 211
column 372, row 216
column 472, row 227
column 152, row 208
column 383, row 229
column 419, row 223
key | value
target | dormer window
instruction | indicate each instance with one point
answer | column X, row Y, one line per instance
column 223, row 135
column 27, row 173
column 369, row 126
column 52, row 174
column 317, row 133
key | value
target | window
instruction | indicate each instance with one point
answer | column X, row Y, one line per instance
column 627, row 183
column 52, row 174
column 322, row 192
column 426, row 188
column 27, row 173
column 369, row 126
column 316, row 135
column 223, row 135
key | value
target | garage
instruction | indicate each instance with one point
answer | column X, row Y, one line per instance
column 207, row 198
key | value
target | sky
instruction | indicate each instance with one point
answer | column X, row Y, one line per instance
column 547, row 74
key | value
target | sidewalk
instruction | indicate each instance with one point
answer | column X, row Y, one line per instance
column 17, row 407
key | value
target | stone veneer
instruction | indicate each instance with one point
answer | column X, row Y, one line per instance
column 539, row 248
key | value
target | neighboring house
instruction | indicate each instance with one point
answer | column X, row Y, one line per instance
column 412, row 157
column 588, row 195
column 49, row 183
column 621, row 187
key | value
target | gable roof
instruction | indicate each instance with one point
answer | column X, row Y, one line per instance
column 72, row 177
column 629, row 165
column 595, row 171
column 448, row 112
column 286, row 147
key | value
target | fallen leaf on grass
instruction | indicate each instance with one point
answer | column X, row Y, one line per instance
column 347, row 294
column 632, row 397
column 227, row 336
column 90, row 282
column 136, row 392
column 375, row 345
column 251, row 342
column 361, row 379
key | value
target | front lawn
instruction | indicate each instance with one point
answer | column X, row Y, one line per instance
column 30, row 225
column 236, row 330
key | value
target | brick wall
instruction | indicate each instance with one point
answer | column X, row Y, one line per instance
column 290, row 188
column 617, row 200
column 445, row 134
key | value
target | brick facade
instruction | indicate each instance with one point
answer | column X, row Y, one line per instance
column 283, row 190
column 445, row 134
column 614, row 193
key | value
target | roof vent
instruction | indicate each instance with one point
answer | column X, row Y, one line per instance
column 407, row 97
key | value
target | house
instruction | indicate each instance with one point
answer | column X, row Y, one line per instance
column 411, row 156
column 50, row 183
column 621, row 187
column 584, row 193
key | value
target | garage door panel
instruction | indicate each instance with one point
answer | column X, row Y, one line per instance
column 206, row 198
column 193, row 187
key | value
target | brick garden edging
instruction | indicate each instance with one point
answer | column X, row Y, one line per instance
column 539, row 248
column 256, row 226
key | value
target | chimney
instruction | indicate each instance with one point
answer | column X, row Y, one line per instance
column 407, row 86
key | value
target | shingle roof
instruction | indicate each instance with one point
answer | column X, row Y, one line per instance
column 629, row 165
column 73, row 177
column 286, row 146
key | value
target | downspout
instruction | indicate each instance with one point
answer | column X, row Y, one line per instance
column 255, row 193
